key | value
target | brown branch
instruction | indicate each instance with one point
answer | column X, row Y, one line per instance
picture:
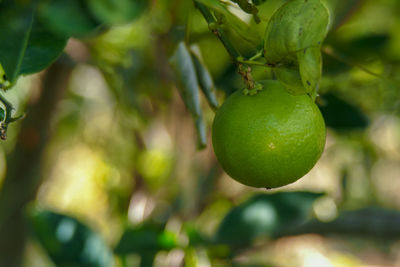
column 24, row 164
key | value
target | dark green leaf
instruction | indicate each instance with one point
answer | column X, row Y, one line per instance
column 68, row 242
column 42, row 49
column 67, row 18
column 258, row 2
column 2, row 114
column 206, row 82
column 15, row 25
column 201, row 132
column 145, row 239
column 25, row 46
column 264, row 215
column 114, row 12
column 367, row 222
column 185, row 73
column 342, row 115
column 290, row 77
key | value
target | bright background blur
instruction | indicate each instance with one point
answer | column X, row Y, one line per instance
column 123, row 151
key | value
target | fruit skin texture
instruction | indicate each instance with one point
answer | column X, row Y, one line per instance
column 270, row 139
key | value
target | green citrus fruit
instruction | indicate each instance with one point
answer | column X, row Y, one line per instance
column 270, row 139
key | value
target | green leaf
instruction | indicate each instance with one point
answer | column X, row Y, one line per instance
column 185, row 73
column 295, row 26
column 206, row 82
column 145, row 239
column 115, row 12
column 25, row 46
column 367, row 222
column 310, row 66
column 15, row 25
column 42, row 49
column 258, row 2
column 69, row 242
column 67, row 18
column 290, row 77
column 341, row 115
column 293, row 38
column 201, row 132
column 231, row 22
column 265, row 215
column 2, row 114
column 188, row 86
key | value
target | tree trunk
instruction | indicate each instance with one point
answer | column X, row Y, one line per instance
column 24, row 164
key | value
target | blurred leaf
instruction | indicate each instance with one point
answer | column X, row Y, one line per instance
column 2, row 114
column 341, row 115
column 67, row 18
column 115, row 12
column 68, row 242
column 25, row 47
column 145, row 239
column 264, row 215
column 188, row 85
column 361, row 49
column 366, row 222
column 332, row 66
column 258, row 2
column 344, row 10
column 201, row 132
column 195, row 237
column 205, row 81
column 185, row 73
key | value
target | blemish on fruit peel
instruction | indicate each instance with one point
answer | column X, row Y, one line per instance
column 271, row 145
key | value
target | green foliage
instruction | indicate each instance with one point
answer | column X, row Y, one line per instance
column 115, row 12
column 341, row 115
column 2, row 114
column 205, row 81
column 371, row 222
column 26, row 47
column 67, row 18
column 121, row 116
column 145, row 239
column 265, row 216
column 292, row 43
column 68, row 242
column 186, row 76
column 232, row 23
column 188, row 85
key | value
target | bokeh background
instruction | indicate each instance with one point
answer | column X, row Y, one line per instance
column 119, row 180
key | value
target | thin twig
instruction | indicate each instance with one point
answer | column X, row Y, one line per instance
column 218, row 31
column 330, row 51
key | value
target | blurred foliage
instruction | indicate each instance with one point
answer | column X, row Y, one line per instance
column 123, row 156
column 69, row 242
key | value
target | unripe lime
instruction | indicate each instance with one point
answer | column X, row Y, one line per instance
column 270, row 139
